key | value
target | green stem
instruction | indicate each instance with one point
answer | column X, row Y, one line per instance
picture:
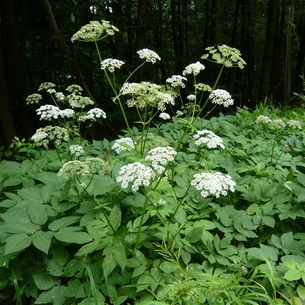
column 141, row 221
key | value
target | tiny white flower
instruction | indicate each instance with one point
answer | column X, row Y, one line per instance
column 149, row 55
column 164, row 116
column 48, row 112
column 51, row 91
column 135, row 175
column 111, row 64
column 123, row 144
column 33, row 99
column 278, row 123
column 294, row 124
column 209, row 138
column 194, row 68
column 160, row 156
column 60, row 96
column 263, row 119
column 177, row 81
column 93, row 115
column 221, row 97
column 191, row 97
column 76, row 150
column 179, row 113
column 46, row 86
column 214, row 184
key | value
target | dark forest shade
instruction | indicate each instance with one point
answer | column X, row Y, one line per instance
column 36, row 47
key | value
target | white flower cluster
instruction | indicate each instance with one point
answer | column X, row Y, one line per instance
column 149, row 55
column 278, row 123
column 203, row 87
column 46, row 86
column 94, row 31
column 225, row 55
column 160, row 156
column 176, row 81
column 123, row 144
column 33, row 99
column 164, row 116
column 147, row 94
column 78, row 101
column 49, row 112
column 111, row 64
column 135, row 175
column 93, row 115
column 215, row 184
column 72, row 168
column 85, row 168
column 76, row 150
column 263, row 119
column 46, row 134
column 194, row 68
column 221, row 97
column 60, row 96
column 191, row 97
column 294, row 124
column 74, row 89
column 209, row 138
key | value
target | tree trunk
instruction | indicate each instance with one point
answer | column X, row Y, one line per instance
column 6, row 118
column 269, row 48
column 65, row 48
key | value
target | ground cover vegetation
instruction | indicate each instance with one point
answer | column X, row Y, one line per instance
column 180, row 209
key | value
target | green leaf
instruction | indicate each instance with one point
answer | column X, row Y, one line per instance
column 71, row 237
column 293, row 275
column 194, row 235
column 73, row 266
column 54, row 296
column 301, row 292
column 115, row 217
column 63, row 222
column 90, row 247
column 21, row 227
column 138, row 271
column 42, row 240
column 108, row 264
column 44, row 281
column 37, row 213
column 17, row 242
column 287, row 240
column 151, row 303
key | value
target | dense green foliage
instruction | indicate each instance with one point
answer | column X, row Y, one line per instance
column 60, row 245
column 189, row 211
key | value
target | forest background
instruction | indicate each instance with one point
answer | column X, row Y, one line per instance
column 35, row 46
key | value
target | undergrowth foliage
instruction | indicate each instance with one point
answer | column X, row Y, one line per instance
column 178, row 210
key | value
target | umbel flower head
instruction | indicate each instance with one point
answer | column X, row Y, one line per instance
column 135, row 175
column 111, row 64
column 194, row 68
column 213, row 184
column 294, row 124
column 147, row 94
column 176, row 81
column 160, row 156
column 84, row 169
column 123, row 144
column 263, row 119
column 94, row 31
column 33, row 98
column 209, row 138
column 149, row 55
column 221, row 97
column 44, row 135
column 225, row 55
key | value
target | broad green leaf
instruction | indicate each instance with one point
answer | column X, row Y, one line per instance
column 115, row 218
column 63, row 222
column 108, row 264
column 73, row 266
column 17, row 243
column 37, row 213
column 151, row 303
column 143, row 282
column 293, row 275
column 72, row 237
column 194, row 235
column 19, row 227
column 301, row 292
column 42, row 241
column 54, row 296
column 121, row 299
column 44, row 281
column 287, row 240
column 89, row 248
column 138, row 271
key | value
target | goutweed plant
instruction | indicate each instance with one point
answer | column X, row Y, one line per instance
column 178, row 210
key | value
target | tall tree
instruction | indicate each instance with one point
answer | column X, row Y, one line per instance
column 269, row 47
